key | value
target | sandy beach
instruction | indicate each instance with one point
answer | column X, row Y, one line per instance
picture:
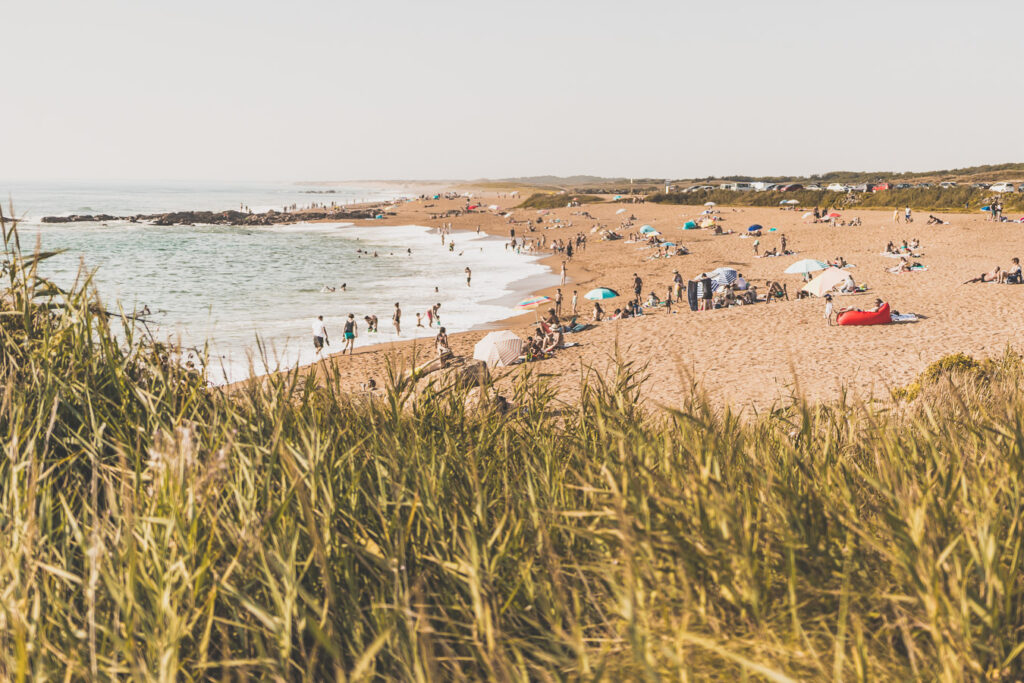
column 755, row 356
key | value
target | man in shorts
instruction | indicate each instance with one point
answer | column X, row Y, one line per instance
column 319, row 335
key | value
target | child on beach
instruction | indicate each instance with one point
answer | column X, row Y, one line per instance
column 828, row 310
column 574, row 302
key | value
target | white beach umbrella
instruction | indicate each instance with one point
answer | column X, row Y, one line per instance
column 807, row 265
column 826, row 281
column 620, row 211
column 498, row 348
column 793, row 201
column 809, row 214
column 710, row 204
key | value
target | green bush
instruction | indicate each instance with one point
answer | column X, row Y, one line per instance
column 547, row 200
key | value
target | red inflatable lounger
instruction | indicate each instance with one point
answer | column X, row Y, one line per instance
column 879, row 317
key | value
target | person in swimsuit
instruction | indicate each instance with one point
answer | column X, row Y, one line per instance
column 371, row 323
column 396, row 318
column 986, row 277
column 469, row 275
column 350, row 335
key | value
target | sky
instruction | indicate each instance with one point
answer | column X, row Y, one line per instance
column 445, row 89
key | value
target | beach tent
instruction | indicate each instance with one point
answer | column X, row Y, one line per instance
column 827, row 280
column 498, row 348
column 647, row 230
column 807, row 265
column 600, row 293
column 690, row 225
column 707, row 223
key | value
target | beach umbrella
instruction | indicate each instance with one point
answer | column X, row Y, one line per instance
column 533, row 301
column 647, row 230
column 707, row 223
column 498, row 348
column 783, row 202
column 807, row 265
column 720, row 277
column 792, row 201
column 710, row 204
column 755, row 227
column 600, row 293
column 833, row 215
column 826, row 281
column 620, row 211
column 809, row 214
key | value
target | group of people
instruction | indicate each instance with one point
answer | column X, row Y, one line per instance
column 1010, row 276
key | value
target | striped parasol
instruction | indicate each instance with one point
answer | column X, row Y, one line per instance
column 534, row 301
column 498, row 348
column 720, row 277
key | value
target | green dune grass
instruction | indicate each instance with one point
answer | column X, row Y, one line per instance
column 153, row 527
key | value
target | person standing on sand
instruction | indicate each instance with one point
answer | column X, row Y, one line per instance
column 430, row 317
column 638, row 285
column 896, row 216
column 574, row 301
column 319, row 335
column 558, row 301
column 705, row 294
column 828, row 310
column 757, row 243
column 563, row 273
column 783, row 237
column 469, row 275
column 906, row 216
column 396, row 318
column 351, row 328
column 677, row 282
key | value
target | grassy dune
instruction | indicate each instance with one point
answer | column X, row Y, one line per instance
column 153, row 527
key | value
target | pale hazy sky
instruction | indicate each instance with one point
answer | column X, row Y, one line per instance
column 316, row 90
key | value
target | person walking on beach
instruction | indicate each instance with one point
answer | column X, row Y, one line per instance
column 574, row 301
column 396, row 318
column 563, row 273
column 828, row 310
column 906, row 216
column 757, row 243
column 638, row 285
column 896, row 216
column 350, row 335
column 319, row 335
column 469, row 275
column 558, row 301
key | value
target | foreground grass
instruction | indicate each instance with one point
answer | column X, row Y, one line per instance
column 154, row 528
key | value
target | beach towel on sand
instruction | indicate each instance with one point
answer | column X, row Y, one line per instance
column 904, row 318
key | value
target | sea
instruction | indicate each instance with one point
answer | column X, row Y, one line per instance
column 244, row 298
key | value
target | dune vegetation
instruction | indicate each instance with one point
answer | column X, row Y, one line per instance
column 154, row 527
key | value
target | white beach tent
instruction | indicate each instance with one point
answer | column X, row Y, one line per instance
column 498, row 348
column 828, row 280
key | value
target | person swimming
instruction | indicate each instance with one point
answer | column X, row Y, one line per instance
column 326, row 289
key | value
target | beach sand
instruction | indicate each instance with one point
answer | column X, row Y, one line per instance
column 750, row 357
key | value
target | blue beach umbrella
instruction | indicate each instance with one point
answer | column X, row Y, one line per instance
column 600, row 293
column 755, row 227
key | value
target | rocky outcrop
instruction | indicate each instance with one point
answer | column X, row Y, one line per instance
column 271, row 217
